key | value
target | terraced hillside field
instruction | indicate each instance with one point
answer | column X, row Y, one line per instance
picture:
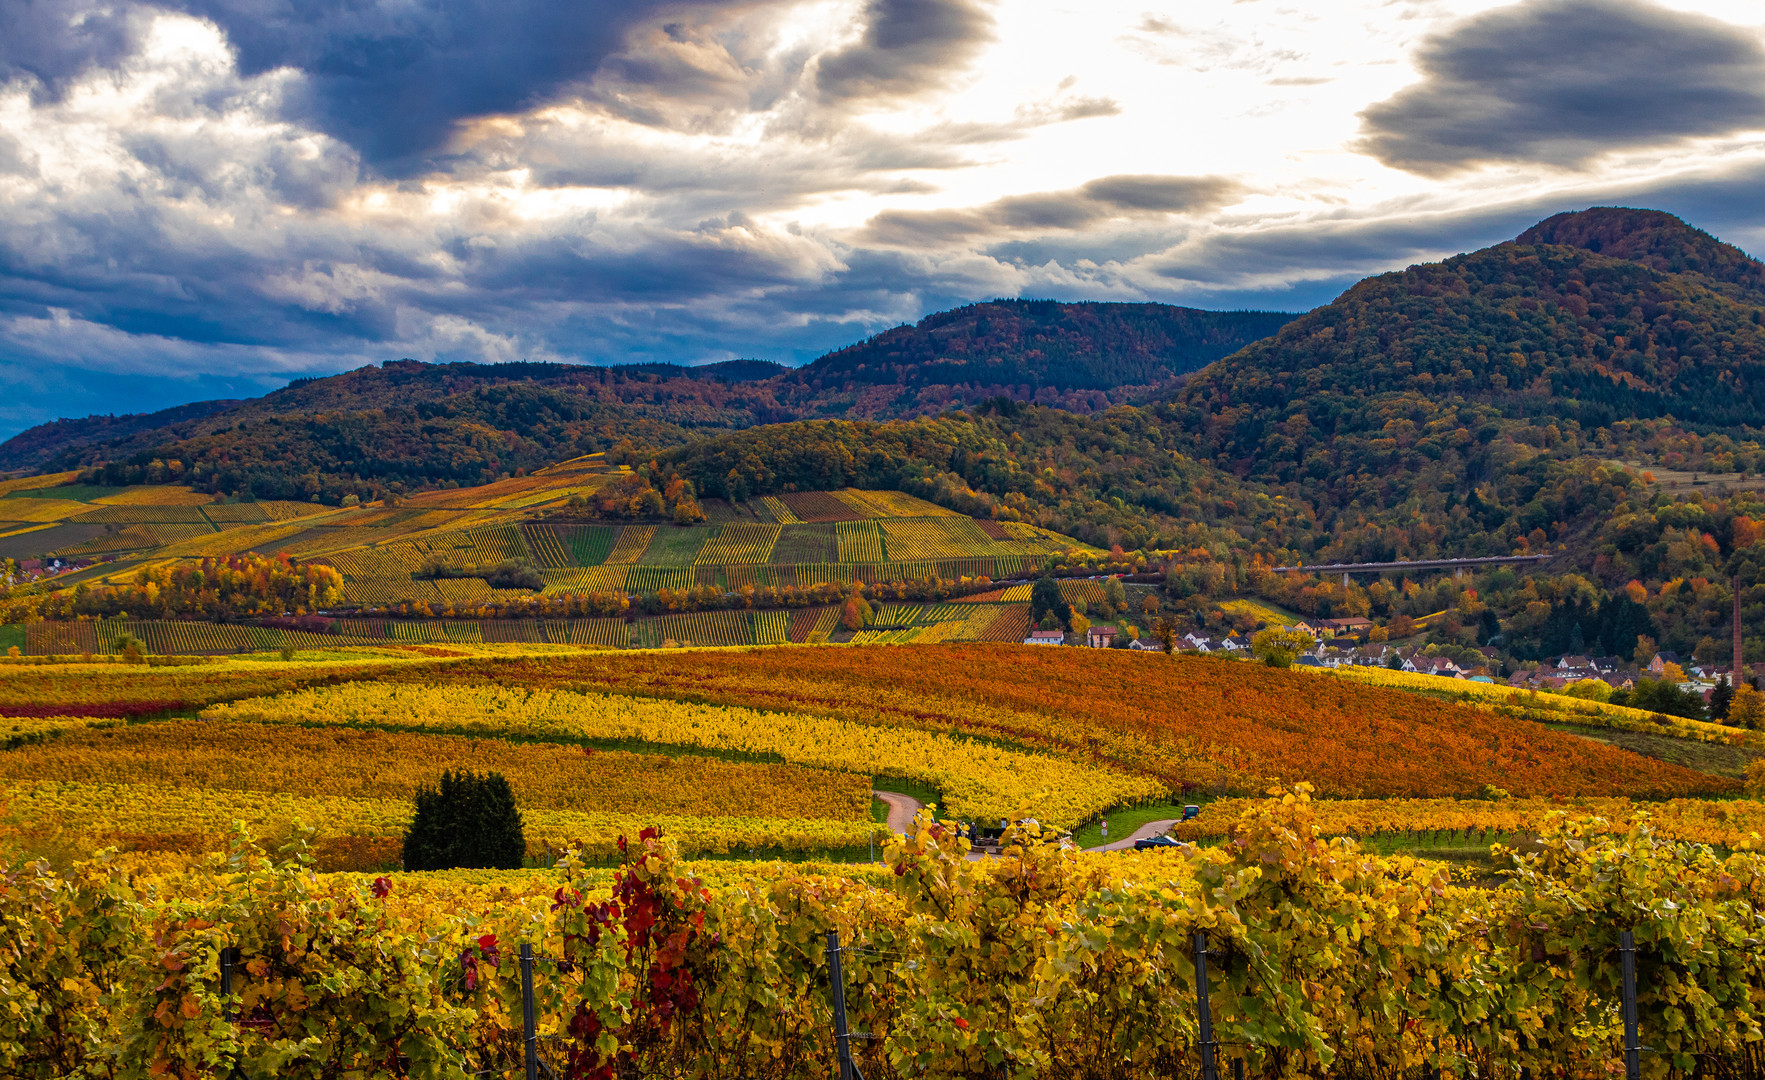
column 869, row 537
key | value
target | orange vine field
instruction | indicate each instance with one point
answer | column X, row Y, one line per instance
column 342, row 763
column 1189, row 721
column 117, row 690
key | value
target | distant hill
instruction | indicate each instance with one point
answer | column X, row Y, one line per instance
column 30, row 449
column 1079, row 356
column 469, row 415
column 411, row 425
column 1548, row 331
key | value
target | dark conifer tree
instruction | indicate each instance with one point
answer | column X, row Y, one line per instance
column 469, row 822
column 1045, row 599
column 1720, row 699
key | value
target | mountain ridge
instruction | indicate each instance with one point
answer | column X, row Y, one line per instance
column 1081, row 356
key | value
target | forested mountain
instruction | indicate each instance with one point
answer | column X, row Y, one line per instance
column 481, row 419
column 1078, row 356
column 456, row 403
column 1458, row 406
column 45, row 442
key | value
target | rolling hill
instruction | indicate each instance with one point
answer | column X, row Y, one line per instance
column 482, row 420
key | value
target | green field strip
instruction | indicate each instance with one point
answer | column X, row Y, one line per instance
column 588, row 545
column 675, row 546
column 70, row 492
column 805, row 544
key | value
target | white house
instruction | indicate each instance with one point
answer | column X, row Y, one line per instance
column 1045, row 637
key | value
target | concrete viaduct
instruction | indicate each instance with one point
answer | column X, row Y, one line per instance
column 1346, row 569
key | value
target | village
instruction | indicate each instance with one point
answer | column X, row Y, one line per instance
column 1342, row 643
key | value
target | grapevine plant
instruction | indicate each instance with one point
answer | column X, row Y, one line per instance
column 1324, row 960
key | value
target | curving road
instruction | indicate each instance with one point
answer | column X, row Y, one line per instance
column 1144, row 832
column 902, row 808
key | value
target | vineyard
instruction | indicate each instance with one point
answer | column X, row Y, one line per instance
column 979, row 780
column 1192, row 722
column 1321, row 960
column 386, row 552
column 739, row 544
column 737, row 753
column 715, row 691
column 700, row 628
column 371, row 764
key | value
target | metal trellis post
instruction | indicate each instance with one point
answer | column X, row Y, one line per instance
column 229, row 962
column 1632, row 1048
column 1209, row 1068
column 529, row 1038
column 837, row 984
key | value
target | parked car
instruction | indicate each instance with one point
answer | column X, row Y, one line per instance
column 1152, row 843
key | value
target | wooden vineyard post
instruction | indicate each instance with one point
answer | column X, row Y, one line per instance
column 1209, row 1068
column 529, row 1037
column 1632, row 1049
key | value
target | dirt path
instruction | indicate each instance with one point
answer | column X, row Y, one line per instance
column 1144, row 832
column 902, row 809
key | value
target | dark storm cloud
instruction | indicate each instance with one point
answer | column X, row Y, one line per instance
column 1105, row 197
column 389, row 77
column 908, row 46
column 56, row 41
column 1168, row 194
column 1561, row 81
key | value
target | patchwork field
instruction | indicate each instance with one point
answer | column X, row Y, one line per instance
column 387, row 554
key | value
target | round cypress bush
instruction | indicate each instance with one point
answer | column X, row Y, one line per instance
column 469, row 822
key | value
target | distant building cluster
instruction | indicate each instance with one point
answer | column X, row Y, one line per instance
column 1555, row 674
column 27, row 571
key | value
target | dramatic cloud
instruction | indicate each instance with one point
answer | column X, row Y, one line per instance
column 388, row 77
column 1562, row 81
column 908, row 46
column 1097, row 200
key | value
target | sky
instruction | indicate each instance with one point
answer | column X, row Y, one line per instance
column 206, row 198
